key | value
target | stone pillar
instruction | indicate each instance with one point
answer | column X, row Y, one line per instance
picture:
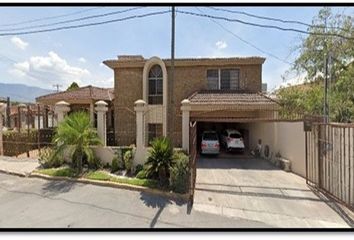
column 61, row 109
column 140, row 154
column 140, row 108
column 101, row 108
column 92, row 114
column 2, row 113
column 185, row 108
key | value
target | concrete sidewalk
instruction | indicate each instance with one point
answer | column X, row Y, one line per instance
column 18, row 166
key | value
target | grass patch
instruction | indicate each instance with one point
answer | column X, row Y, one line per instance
column 58, row 172
column 98, row 175
column 103, row 176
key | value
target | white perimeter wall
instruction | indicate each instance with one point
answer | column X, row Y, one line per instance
column 288, row 138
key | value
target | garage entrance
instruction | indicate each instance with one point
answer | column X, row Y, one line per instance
column 219, row 128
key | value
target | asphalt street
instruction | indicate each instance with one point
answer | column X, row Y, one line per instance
column 38, row 203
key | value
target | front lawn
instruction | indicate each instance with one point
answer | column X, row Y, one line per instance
column 98, row 175
column 58, row 172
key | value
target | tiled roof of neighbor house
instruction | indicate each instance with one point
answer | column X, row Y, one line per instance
column 210, row 97
column 88, row 92
column 139, row 61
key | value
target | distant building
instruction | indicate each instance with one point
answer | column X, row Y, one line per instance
column 264, row 87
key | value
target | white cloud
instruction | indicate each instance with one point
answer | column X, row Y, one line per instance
column 18, row 42
column 83, row 60
column 221, row 45
column 48, row 70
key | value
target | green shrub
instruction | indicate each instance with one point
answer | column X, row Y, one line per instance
column 94, row 163
column 159, row 160
column 128, row 160
column 179, row 173
column 138, row 168
column 141, row 174
column 47, row 158
column 114, row 167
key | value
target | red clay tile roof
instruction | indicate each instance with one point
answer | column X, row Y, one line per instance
column 218, row 97
column 88, row 92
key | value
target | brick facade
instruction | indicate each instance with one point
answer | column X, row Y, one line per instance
column 190, row 76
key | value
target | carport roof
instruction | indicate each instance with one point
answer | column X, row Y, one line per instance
column 210, row 97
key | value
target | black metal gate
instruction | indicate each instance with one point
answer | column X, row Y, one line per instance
column 330, row 160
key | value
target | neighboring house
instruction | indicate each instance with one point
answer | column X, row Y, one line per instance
column 219, row 90
column 83, row 98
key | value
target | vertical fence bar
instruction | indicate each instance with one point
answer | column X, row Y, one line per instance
column 306, row 157
column 28, row 132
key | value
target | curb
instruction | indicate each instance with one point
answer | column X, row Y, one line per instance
column 170, row 195
column 14, row 173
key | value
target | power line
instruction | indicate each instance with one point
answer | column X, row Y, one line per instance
column 273, row 19
column 85, row 25
column 47, row 18
column 247, row 42
column 263, row 25
column 71, row 20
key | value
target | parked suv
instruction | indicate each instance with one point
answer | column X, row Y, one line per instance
column 232, row 139
column 210, row 143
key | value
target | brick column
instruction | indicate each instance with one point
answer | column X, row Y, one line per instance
column 2, row 113
column 185, row 108
column 61, row 109
column 101, row 108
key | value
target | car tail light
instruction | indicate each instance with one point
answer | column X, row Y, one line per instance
column 204, row 145
column 217, row 145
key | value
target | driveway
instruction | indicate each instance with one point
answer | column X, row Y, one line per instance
column 254, row 189
column 39, row 203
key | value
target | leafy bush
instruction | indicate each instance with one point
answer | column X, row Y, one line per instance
column 138, row 168
column 141, row 174
column 115, row 166
column 94, row 163
column 159, row 160
column 128, row 160
column 48, row 158
column 179, row 173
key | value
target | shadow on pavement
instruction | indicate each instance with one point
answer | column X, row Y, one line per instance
column 154, row 201
column 56, row 187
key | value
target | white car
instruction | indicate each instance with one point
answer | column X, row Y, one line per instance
column 210, row 143
column 232, row 140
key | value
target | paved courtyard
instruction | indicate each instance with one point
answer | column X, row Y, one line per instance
column 254, row 189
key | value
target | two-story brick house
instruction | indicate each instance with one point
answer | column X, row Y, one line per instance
column 218, row 89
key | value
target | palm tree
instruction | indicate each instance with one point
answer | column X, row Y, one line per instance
column 74, row 136
column 160, row 159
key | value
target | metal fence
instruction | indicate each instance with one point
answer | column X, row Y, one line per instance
column 192, row 159
column 330, row 160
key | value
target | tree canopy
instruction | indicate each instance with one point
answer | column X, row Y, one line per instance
column 313, row 50
column 73, row 86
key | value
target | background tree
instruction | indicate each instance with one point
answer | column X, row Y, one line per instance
column 313, row 50
column 73, row 86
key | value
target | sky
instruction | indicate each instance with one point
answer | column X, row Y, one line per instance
column 61, row 57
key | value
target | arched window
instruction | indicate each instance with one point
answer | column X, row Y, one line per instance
column 155, row 85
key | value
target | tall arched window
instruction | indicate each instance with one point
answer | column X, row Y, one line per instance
column 155, row 95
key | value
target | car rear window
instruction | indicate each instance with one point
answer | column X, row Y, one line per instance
column 235, row 135
column 210, row 136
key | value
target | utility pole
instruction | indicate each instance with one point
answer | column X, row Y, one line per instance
column 57, row 86
column 171, row 106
